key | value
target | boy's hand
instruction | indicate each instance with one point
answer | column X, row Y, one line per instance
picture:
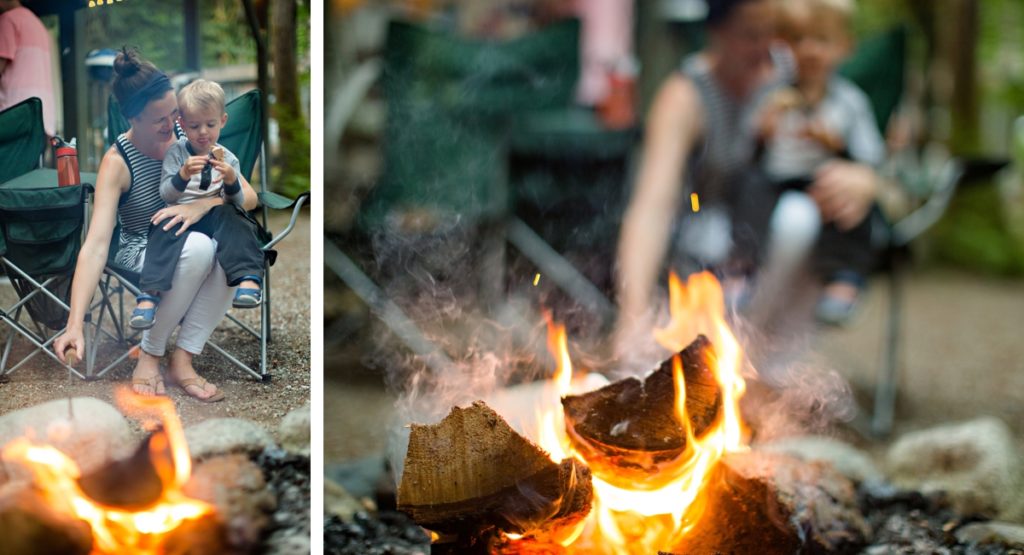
column 192, row 166
column 226, row 171
column 768, row 122
column 778, row 103
column 817, row 131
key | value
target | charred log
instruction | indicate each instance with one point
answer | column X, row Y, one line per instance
column 131, row 483
column 772, row 503
column 628, row 429
column 472, row 476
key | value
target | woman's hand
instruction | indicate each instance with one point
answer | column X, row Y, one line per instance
column 844, row 192
column 72, row 337
column 185, row 214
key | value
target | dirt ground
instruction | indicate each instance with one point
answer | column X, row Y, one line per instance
column 962, row 356
column 266, row 403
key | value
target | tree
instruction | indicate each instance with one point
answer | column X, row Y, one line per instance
column 287, row 109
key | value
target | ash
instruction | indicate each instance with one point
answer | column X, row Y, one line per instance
column 288, row 477
column 905, row 522
column 902, row 522
column 387, row 533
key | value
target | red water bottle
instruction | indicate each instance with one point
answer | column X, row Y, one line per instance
column 616, row 109
column 67, row 163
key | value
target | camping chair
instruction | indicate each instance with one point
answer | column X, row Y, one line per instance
column 928, row 184
column 243, row 136
column 455, row 109
column 40, row 235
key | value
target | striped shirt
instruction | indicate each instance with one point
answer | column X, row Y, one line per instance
column 727, row 147
column 137, row 206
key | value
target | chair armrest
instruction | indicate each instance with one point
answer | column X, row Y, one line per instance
column 275, row 201
column 280, row 202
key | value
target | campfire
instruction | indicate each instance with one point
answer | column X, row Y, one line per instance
column 621, row 469
column 131, row 506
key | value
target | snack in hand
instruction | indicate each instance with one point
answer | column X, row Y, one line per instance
column 218, row 152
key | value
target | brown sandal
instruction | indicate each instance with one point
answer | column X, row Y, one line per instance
column 201, row 384
column 154, row 382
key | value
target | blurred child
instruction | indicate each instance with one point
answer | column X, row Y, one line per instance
column 820, row 117
column 194, row 168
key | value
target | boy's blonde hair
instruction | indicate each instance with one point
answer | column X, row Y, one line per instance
column 793, row 12
column 201, row 95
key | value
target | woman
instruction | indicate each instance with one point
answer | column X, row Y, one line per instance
column 697, row 128
column 127, row 192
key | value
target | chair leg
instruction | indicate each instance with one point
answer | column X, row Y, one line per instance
column 7, row 352
column 885, row 391
column 91, row 346
column 265, row 323
column 264, row 339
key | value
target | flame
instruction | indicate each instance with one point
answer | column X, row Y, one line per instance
column 116, row 529
column 641, row 518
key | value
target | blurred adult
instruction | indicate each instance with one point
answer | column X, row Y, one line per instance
column 25, row 54
column 699, row 140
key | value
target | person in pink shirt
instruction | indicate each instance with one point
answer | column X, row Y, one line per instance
column 25, row 61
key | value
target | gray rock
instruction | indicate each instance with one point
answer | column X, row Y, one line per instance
column 1002, row 533
column 219, row 436
column 236, row 487
column 338, row 501
column 294, row 430
column 976, row 463
column 847, row 459
column 96, row 433
column 288, row 543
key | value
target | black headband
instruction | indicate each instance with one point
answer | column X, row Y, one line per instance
column 156, row 87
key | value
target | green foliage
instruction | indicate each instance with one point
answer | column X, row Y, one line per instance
column 156, row 28
column 974, row 234
column 226, row 39
column 875, row 16
column 1001, row 52
column 292, row 175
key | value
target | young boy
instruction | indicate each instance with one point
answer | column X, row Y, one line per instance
column 196, row 167
column 821, row 117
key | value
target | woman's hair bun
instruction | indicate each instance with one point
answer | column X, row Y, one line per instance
column 127, row 63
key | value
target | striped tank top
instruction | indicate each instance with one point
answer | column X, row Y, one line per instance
column 137, row 206
column 727, row 146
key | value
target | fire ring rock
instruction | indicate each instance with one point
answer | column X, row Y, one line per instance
column 847, row 459
column 976, row 463
column 98, row 432
column 219, row 436
column 294, row 430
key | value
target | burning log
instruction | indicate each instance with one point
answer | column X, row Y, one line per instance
column 472, row 476
column 28, row 526
column 131, row 483
column 766, row 499
column 628, row 429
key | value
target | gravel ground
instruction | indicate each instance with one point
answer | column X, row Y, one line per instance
column 962, row 357
column 961, row 353
column 265, row 403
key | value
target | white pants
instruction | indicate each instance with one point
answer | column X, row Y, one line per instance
column 198, row 299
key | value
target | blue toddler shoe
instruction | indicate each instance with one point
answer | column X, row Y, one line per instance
column 247, row 297
column 144, row 318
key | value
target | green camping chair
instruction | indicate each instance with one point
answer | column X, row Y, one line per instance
column 452, row 104
column 456, row 107
column 40, row 235
column 243, row 136
column 877, row 67
column 22, row 138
